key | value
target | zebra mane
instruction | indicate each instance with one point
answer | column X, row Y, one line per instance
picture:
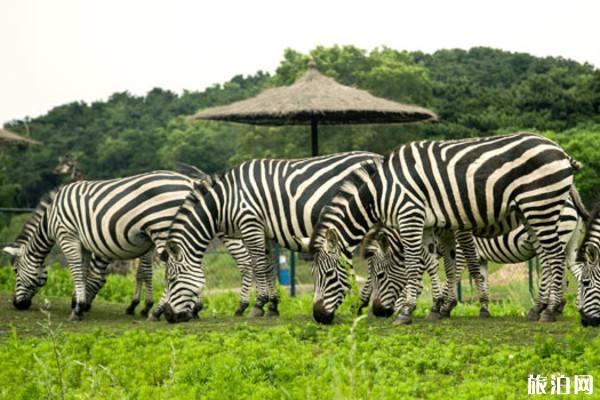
column 347, row 189
column 593, row 216
column 35, row 218
column 191, row 171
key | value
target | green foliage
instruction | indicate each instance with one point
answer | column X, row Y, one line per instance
column 481, row 91
column 291, row 358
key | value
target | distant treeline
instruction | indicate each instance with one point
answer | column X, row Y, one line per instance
column 482, row 91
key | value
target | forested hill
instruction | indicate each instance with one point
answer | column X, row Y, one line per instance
column 475, row 92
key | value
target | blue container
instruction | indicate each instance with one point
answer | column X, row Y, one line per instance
column 284, row 277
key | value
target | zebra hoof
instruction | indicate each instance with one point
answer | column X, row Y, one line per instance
column 434, row 316
column 445, row 313
column 272, row 313
column 130, row 310
column 76, row 317
column 153, row 318
column 241, row 309
column 256, row 312
column 484, row 313
column 547, row 316
column 533, row 315
column 403, row 320
column 144, row 313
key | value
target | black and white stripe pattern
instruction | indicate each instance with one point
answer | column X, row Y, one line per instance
column 387, row 274
column 101, row 221
column 514, row 247
column 589, row 279
column 258, row 201
column 35, row 278
column 463, row 186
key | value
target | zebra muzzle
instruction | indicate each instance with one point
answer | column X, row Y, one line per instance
column 175, row 317
column 589, row 321
column 21, row 304
column 320, row 314
column 379, row 310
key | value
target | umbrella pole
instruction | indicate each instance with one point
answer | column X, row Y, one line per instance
column 314, row 137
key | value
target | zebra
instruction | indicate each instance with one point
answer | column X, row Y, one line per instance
column 100, row 221
column 15, row 248
column 589, row 279
column 460, row 185
column 514, row 247
column 387, row 275
column 258, row 201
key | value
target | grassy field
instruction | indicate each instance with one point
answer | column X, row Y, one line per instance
column 111, row 355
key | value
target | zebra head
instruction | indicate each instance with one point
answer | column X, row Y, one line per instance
column 31, row 275
column 589, row 277
column 384, row 275
column 385, row 259
column 589, row 286
column 331, row 271
column 192, row 229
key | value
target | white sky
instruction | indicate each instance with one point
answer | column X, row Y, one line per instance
column 53, row 52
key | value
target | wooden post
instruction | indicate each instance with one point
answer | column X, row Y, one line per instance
column 314, row 137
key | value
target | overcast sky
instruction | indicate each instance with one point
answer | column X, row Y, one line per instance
column 58, row 51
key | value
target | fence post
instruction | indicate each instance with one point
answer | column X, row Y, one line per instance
column 292, row 274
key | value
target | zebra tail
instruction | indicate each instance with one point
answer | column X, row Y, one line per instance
column 579, row 206
column 576, row 165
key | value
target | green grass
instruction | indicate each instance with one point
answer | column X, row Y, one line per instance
column 111, row 355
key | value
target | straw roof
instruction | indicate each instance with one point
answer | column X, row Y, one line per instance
column 8, row 137
column 316, row 97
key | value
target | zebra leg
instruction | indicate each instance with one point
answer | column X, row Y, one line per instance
column 95, row 280
column 71, row 248
column 241, row 255
column 146, row 267
column 542, row 226
column 452, row 275
column 273, row 308
column 411, row 233
column 467, row 255
column 139, row 282
column 436, row 288
column 158, row 311
column 255, row 242
column 247, row 276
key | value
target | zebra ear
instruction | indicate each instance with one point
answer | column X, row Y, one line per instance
column 592, row 255
column 202, row 185
column 383, row 241
column 332, row 241
column 13, row 249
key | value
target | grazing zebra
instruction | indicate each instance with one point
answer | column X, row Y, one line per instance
column 589, row 279
column 387, row 275
column 15, row 248
column 102, row 221
column 116, row 219
column 257, row 201
column 514, row 247
column 460, row 185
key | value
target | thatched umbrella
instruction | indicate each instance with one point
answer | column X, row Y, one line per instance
column 316, row 99
column 8, row 137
